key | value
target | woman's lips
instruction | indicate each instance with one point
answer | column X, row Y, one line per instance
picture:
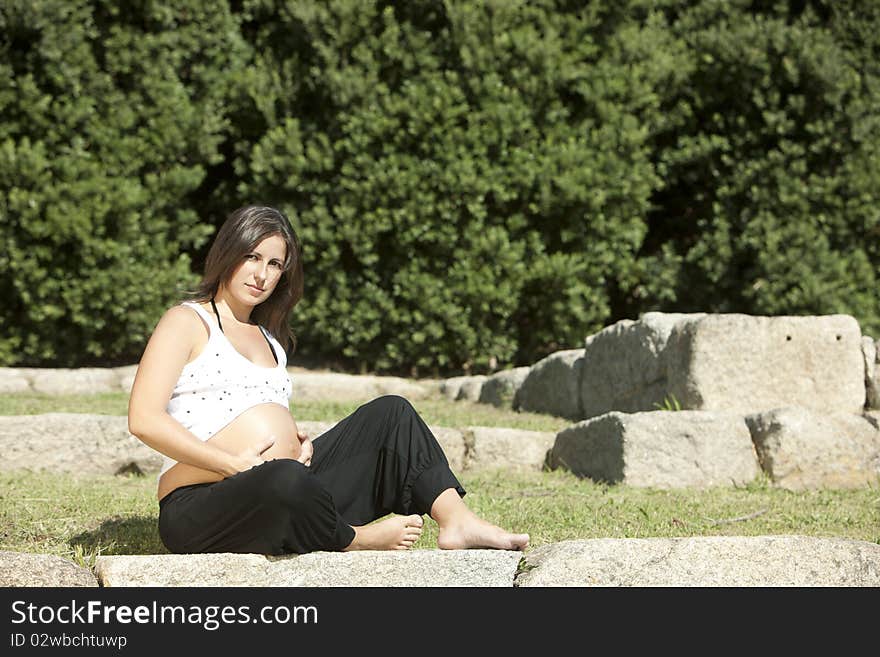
column 256, row 291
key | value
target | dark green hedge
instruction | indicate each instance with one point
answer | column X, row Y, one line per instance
column 108, row 120
column 769, row 157
column 477, row 184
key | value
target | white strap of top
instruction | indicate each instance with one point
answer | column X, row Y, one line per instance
column 203, row 314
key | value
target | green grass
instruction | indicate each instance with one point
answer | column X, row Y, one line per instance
column 34, row 403
column 79, row 517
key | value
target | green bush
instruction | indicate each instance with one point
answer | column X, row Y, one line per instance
column 108, row 119
column 477, row 184
column 467, row 177
column 769, row 161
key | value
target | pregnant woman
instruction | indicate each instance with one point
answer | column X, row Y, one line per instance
column 212, row 395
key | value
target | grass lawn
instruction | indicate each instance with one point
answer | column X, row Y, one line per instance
column 79, row 517
column 82, row 516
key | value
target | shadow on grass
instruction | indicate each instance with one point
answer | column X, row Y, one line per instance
column 131, row 535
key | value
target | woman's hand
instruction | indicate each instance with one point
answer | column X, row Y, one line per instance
column 252, row 455
column 306, row 448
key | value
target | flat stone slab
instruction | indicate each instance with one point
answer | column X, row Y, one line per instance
column 306, row 385
column 13, row 380
column 452, row 442
column 76, row 381
column 800, row 449
column 126, row 374
column 662, row 449
column 219, row 569
column 511, row 449
column 682, row 562
column 24, row 569
column 101, row 444
column 704, row 561
column 73, row 442
column 322, row 386
column 412, row 568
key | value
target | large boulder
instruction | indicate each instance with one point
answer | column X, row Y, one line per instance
column 872, row 372
column 25, row 569
column 552, row 385
column 704, row 561
column 73, row 442
column 471, row 387
column 624, row 365
column 748, row 364
column 458, row 388
column 662, row 449
column 449, row 388
column 728, row 362
column 801, row 449
column 500, row 388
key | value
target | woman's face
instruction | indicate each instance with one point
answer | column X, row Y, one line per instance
column 254, row 280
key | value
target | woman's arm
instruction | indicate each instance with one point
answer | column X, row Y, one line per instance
column 168, row 350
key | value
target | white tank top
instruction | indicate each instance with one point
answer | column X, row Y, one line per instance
column 221, row 384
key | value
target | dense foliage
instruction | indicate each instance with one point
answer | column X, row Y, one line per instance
column 477, row 184
column 108, row 120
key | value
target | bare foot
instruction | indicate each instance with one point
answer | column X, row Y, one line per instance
column 394, row 533
column 470, row 531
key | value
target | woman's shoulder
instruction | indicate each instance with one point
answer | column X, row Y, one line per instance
column 184, row 316
column 177, row 334
column 201, row 307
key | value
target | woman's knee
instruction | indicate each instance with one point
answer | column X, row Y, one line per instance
column 288, row 482
column 394, row 404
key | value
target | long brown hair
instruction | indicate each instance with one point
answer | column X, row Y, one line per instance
column 243, row 229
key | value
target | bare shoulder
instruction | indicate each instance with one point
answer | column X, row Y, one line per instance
column 180, row 325
column 169, row 348
column 180, row 317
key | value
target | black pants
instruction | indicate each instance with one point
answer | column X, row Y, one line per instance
column 381, row 459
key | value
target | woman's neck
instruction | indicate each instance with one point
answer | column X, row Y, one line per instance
column 230, row 308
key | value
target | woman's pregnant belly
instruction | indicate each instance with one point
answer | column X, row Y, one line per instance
column 251, row 427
